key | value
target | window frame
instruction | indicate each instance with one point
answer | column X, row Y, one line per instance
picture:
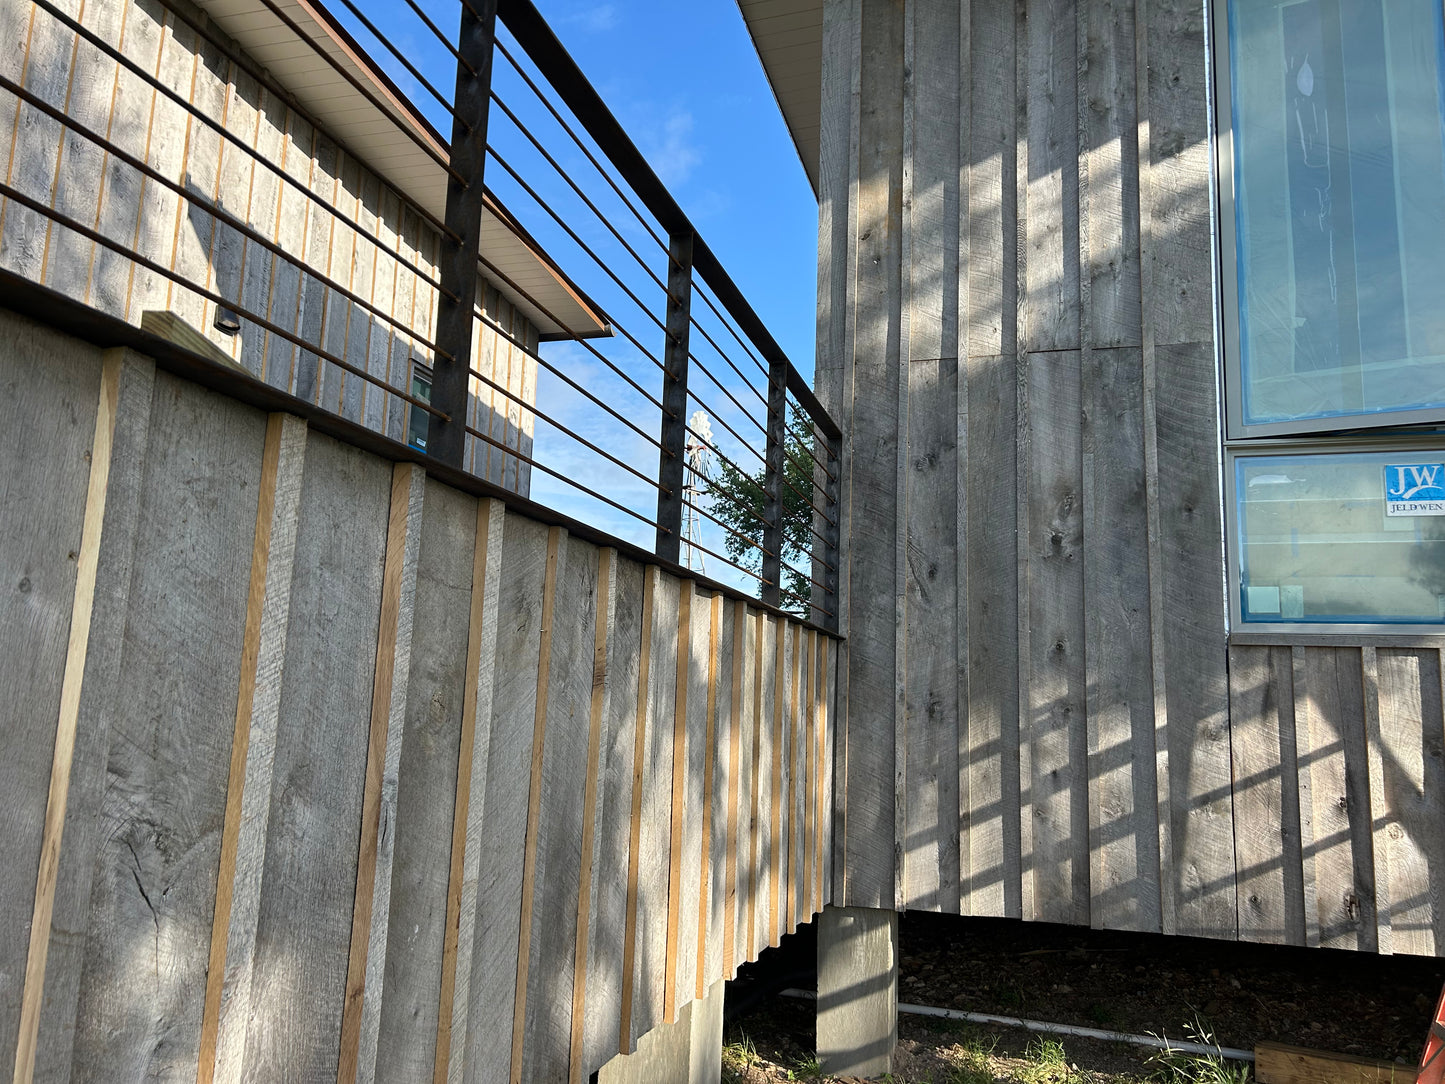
column 1232, row 377
column 1336, row 445
column 415, row 367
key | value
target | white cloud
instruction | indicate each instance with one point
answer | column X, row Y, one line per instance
column 670, row 149
column 591, row 18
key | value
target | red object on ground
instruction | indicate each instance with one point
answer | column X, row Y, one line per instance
column 1432, row 1059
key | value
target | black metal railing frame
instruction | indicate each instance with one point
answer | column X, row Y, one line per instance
column 688, row 255
column 694, row 274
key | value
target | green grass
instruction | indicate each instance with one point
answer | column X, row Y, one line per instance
column 805, row 1068
column 1173, row 1066
column 737, row 1056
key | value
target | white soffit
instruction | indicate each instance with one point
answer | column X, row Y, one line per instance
column 788, row 35
column 379, row 139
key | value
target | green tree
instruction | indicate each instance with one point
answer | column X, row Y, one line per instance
column 738, row 500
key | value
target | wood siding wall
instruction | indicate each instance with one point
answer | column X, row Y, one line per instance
column 75, row 177
column 1016, row 329
column 317, row 768
column 1044, row 716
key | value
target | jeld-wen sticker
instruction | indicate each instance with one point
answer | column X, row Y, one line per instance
column 1415, row 489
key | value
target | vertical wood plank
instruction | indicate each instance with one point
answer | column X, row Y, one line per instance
column 1338, row 781
column 748, row 893
column 930, row 844
column 778, row 756
column 120, row 450
column 1374, row 811
column 1123, row 832
column 1051, row 224
column 990, row 824
column 677, row 852
column 608, row 924
column 469, row 825
column 556, row 566
column 690, row 858
column 874, row 563
column 1266, row 800
column 832, row 749
column 125, row 385
column 736, row 788
column 654, row 856
column 718, row 770
column 797, row 780
column 932, row 90
column 416, row 1006
column 493, row 983
column 1304, row 755
column 1193, row 651
column 764, row 750
column 1057, row 741
column 558, row 875
column 1408, row 798
column 605, row 613
column 639, row 761
column 1174, row 222
column 990, row 225
column 308, row 879
column 253, row 755
column 808, row 792
column 1110, row 157
column 371, row 911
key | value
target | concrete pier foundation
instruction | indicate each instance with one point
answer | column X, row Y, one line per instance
column 857, row 990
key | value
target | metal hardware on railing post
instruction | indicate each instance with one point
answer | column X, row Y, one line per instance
column 458, row 263
column 672, row 460
column 832, row 499
column 773, row 488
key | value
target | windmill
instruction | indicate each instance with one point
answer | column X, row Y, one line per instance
column 699, row 471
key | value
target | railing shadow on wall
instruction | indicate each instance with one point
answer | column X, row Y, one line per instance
column 693, row 436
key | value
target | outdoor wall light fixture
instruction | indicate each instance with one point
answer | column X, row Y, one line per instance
column 227, row 321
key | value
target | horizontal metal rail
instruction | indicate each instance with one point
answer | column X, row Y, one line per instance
column 779, row 523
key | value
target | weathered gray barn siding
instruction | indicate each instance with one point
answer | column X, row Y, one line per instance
column 1046, row 718
column 318, row 767
column 1016, row 333
column 75, row 177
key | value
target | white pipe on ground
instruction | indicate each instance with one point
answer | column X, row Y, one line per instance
column 1227, row 1052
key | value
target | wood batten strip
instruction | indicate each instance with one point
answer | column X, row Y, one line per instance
column 639, row 760
column 591, row 812
column 461, row 932
column 679, row 801
column 1377, row 804
column 730, row 847
column 809, row 771
column 794, row 781
column 371, row 913
column 534, row 800
column 753, row 865
column 709, row 760
column 123, row 407
column 831, row 773
column 227, row 1008
column 776, row 897
column 1304, row 756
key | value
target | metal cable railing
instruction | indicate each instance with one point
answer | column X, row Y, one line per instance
column 655, row 393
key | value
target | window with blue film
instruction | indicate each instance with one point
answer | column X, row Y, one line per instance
column 1339, row 202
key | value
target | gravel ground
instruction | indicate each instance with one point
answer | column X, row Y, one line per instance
column 1325, row 999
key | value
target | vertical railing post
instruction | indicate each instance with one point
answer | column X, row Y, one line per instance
column 672, row 459
column 773, row 477
column 446, row 438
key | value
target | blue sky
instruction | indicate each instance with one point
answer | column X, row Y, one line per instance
column 686, row 84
